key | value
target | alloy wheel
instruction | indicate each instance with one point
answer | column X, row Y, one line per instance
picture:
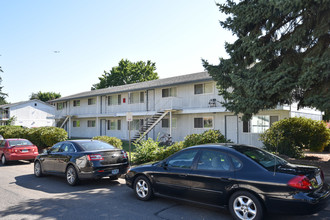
column 142, row 188
column 245, row 208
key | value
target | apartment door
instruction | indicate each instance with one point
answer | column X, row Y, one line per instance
column 103, row 128
column 232, row 128
column 151, row 100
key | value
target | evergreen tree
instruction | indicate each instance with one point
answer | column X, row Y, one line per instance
column 127, row 72
column 2, row 95
column 281, row 55
column 45, row 96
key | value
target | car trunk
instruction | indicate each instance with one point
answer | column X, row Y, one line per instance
column 23, row 149
column 314, row 174
column 110, row 158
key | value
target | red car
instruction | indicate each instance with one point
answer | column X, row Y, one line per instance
column 17, row 149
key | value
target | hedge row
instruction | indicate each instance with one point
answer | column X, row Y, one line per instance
column 42, row 137
column 290, row 136
column 150, row 150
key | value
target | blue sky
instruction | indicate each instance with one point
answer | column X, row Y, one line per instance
column 93, row 36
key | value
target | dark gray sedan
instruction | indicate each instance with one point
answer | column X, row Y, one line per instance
column 82, row 159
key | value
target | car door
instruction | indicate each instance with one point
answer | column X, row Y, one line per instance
column 211, row 177
column 63, row 156
column 48, row 160
column 171, row 178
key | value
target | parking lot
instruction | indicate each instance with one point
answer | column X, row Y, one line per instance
column 23, row 196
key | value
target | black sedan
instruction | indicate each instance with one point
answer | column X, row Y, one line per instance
column 247, row 180
column 82, row 159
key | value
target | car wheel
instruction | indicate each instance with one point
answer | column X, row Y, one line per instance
column 142, row 188
column 244, row 205
column 37, row 169
column 3, row 160
column 71, row 176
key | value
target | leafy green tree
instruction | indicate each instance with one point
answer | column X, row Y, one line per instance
column 2, row 95
column 127, row 72
column 45, row 96
column 280, row 56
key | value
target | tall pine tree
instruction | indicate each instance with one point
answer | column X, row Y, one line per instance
column 281, row 55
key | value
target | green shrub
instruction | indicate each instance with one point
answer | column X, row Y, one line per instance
column 10, row 131
column 290, row 136
column 116, row 142
column 209, row 136
column 52, row 135
column 168, row 151
column 147, row 150
column 42, row 137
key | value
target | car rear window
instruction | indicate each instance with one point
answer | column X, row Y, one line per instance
column 19, row 143
column 262, row 157
column 96, row 145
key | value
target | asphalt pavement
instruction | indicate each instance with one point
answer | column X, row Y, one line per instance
column 24, row 196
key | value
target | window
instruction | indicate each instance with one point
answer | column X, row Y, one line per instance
column 92, row 101
column 76, row 103
column 205, row 122
column 184, row 159
column 76, row 123
column 67, row 148
column 59, row 106
column 166, row 123
column 2, row 143
column 203, row 88
column 114, row 124
column 136, row 97
column 136, row 124
column 259, row 123
column 213, row 160
column 55, row 148
column 114, row 100
column 169, row 92
column 91, row 123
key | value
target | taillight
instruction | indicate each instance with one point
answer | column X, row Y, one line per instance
column 94, row 157
column 124, row 154
column 300, row 182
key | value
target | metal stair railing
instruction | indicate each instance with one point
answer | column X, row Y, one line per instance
column 156, row 118
column 66, row 119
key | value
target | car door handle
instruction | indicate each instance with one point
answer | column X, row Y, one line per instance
column 183, row 175
column 225, row 179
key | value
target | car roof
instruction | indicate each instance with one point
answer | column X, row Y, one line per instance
column 223, row 146
column 15, row 139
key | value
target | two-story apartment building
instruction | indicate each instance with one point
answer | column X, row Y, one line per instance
column 177, row 106
column 31, row 113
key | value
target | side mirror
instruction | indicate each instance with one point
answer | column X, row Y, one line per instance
column 164, row 164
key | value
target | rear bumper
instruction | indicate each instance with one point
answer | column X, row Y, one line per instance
column 104, row 172
column 28, row 156
column 301, row 203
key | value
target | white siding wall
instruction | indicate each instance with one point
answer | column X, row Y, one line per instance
column 31, row 115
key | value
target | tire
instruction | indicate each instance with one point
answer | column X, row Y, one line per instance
column 38, row 169
column 3, row 160
column 71, row 176
column 142, row 188
column 245, row 205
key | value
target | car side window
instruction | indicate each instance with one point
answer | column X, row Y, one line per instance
column 2, row 143
column 213, row 160
column 182, row 160
column 67, row 147
column 236, row 163
column 55, row 148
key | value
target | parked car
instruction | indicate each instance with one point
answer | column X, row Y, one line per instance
column 82, row 159
column 247, row 180
column 17, row 149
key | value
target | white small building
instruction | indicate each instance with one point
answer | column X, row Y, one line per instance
column 32, row 113
column 177, row 106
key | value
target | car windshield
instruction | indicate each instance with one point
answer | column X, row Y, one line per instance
column 262, row 157
column 95, row 145
column 19, row 143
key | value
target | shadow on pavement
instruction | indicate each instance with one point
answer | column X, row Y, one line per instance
column 57, row 184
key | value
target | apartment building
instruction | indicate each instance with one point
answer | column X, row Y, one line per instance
column 177, row 106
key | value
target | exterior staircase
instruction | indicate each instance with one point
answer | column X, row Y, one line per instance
column 62, row 122
column 149, row 125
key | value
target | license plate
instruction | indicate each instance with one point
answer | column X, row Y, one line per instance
column 24, row 151
column 318, row 179
column 116, row 171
